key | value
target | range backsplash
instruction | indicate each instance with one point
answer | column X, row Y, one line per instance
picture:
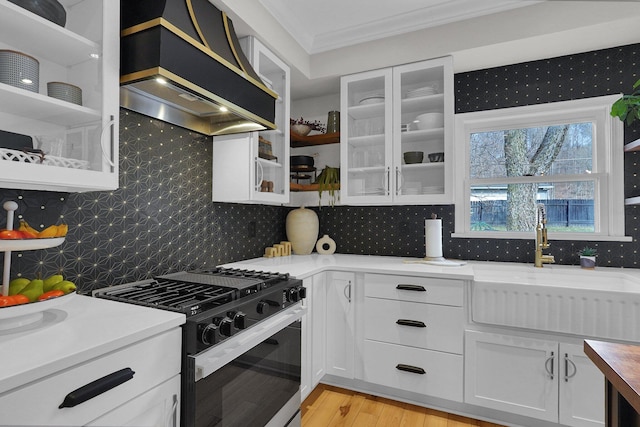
column 162, row 219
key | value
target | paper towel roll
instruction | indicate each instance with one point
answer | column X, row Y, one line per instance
column 433, row 238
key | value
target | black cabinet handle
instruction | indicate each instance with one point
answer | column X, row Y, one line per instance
column 413, row 323
column 416, row 288
column 96, row 387
column 409, row 368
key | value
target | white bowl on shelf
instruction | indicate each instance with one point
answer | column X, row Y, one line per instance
column 430, row 121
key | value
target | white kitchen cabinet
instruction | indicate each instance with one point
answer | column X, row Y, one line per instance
column 426, row 372
column 80, row 142
column 538, row 378
column 582, row 388
column 379, row 113
column 340, row 324
column 254, row 167
column 158, row 407
column 155, row 363
column 313, row 334
column 413, row 334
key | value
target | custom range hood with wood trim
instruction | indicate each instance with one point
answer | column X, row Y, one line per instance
column 180, row 62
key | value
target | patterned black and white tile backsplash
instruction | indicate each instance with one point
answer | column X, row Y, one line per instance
column 162, row 219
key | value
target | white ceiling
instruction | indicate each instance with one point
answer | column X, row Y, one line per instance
column 331, row 24
column 324, row 39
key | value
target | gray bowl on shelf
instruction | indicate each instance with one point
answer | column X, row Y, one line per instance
column 436, row 157
column 19, row 70
column 412, row 157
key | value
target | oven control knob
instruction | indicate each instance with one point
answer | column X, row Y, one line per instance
column 208, row 334
column 302, row 291
column 239, row 320
column 293, row 294
column 224, row 325
column 263, row 307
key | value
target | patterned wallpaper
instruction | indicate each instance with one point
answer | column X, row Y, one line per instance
column 162, row 219
column 399, row 230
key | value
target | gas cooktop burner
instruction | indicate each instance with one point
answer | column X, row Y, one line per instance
column 194, row 292
column 169, row 294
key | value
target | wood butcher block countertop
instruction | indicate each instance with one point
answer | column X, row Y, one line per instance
column 620, row 364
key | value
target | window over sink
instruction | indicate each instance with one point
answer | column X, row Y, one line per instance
column 566, row 155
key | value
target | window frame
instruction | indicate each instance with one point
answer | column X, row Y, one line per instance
column 608, row 163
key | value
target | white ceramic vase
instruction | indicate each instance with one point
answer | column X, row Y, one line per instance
column 302, row 230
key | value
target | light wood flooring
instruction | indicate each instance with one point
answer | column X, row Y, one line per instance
column 329, row 406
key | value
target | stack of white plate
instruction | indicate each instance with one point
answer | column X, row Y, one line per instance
column 421, row 91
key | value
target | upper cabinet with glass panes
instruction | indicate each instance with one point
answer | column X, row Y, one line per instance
column 59, row 109
column 397, row 135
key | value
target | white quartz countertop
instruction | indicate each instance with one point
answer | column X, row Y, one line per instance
column 302, row 266
column 608, row 279
column 74, row 332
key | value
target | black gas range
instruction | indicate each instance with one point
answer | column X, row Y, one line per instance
column 241, row 360
column 218, row 302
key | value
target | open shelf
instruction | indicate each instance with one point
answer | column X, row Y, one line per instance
column 298, row 140
column 309, row 187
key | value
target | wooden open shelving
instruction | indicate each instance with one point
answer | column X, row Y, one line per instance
column 310, row 187
column 298, row 140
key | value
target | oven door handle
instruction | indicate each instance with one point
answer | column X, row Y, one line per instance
column 212, row 359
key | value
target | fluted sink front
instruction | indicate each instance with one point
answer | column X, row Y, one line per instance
column 602, row 303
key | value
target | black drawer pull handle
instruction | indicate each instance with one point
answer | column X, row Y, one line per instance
column 409, row 368
column 96, row 388
column 416, row 288
column 413, row 323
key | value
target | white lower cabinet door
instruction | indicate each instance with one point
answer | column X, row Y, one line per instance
column 340, row 321
column 306, row 344
column 581, row 389
column 512, row 374
column 158, row 407
column 313, row 334
column 318, row 334
column 427, row 372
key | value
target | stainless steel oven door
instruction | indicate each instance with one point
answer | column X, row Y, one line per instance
column 251, row 380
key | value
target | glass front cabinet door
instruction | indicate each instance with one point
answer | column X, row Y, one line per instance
column 59, row 92
column 396, row 135
column 254, row 167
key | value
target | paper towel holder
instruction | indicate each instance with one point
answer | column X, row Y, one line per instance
column 433, row 238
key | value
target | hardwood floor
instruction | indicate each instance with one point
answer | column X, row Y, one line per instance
column 329, row 406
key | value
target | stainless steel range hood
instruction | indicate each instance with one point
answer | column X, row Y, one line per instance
column 180, row 62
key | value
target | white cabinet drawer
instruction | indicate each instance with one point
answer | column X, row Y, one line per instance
column 430, row 326
column 442, row 377
column 416, row 289
column 158, row 407
column 153, row 361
